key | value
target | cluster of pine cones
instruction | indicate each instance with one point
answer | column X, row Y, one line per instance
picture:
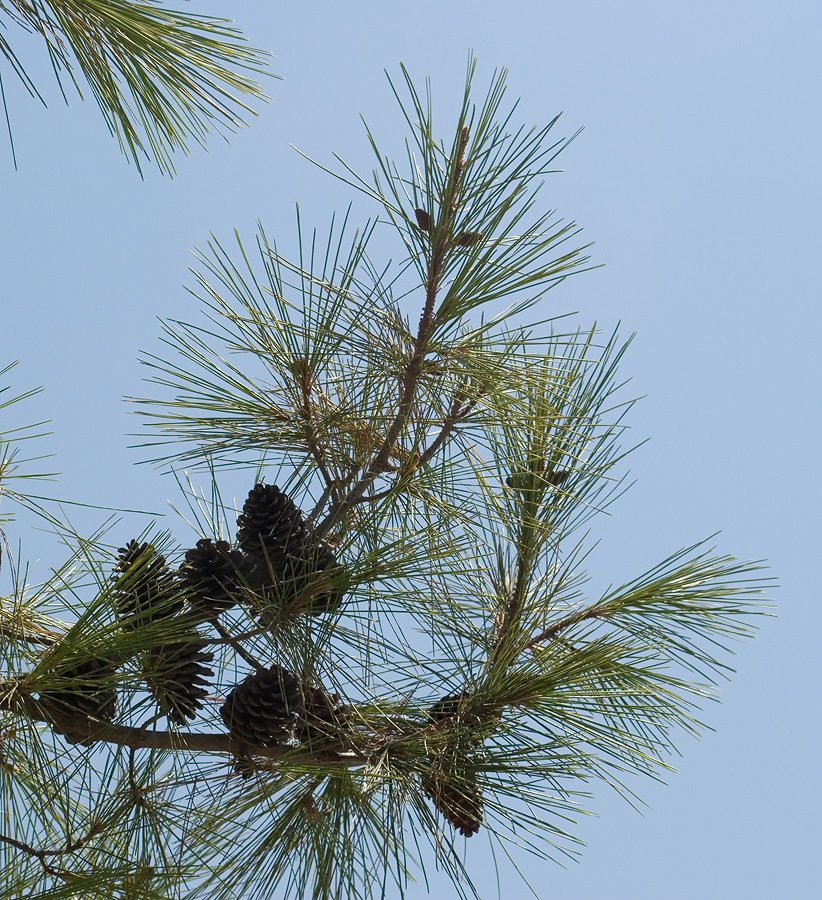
column 277, row 560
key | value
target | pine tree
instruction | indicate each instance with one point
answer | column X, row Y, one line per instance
column 388, row 646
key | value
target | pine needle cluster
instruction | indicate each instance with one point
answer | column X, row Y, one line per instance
column 161, row 77
column 387, row 648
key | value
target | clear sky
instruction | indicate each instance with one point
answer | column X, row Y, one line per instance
column 697, row 176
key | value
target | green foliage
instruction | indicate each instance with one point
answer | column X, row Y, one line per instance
column 439, row 467
column 161, row 78
column 13, row 467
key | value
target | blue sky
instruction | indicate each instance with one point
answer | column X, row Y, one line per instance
column 697, row 176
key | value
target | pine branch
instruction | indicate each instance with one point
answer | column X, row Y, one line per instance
column 45, row 639
column 413, row 369
column 236, row 642
column 87, row 729
column 461, row 408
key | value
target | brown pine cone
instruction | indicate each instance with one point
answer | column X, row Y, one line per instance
column 145, row 587
column 263, row 708
column 446, row 707
column 306, row 579
column 86, row 696
column 212, row 575
column 270, row 526
column 177, row 677
column 322, row 717
column 288, row 558
column 458, row 798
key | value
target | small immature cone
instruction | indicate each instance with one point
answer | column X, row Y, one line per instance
column 458, row 798
column 423, row 219
column 468, row 238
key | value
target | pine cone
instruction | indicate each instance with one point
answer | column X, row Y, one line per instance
column 86, row 696
column 458, row 798
column 322, row 717
column 245, row 767
column 446, row 706
column 468, row 238
column 306, row 579
column 146, row 588
column 176, row 675
column 264, row 707
column 270, row 526
column 423, row 219
column 289, row 559
column 212, row 575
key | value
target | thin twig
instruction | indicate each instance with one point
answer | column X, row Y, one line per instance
column 235, row 645
column 42, row 639
column 244, row 636
column 70, row 846
column 552, row 631
column 455, row 416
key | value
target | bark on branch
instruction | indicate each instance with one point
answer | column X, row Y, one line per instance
column 89, row 730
